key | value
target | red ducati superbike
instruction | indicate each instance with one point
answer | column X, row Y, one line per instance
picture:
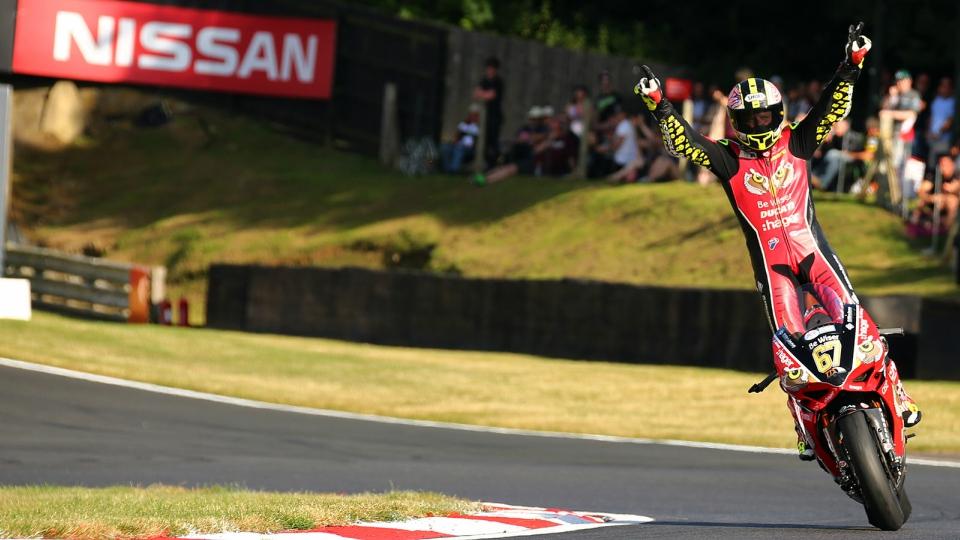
column 846, row 393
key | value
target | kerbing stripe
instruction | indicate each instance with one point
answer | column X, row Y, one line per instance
column 240, row 402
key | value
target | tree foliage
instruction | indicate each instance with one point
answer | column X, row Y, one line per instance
column 793, row 39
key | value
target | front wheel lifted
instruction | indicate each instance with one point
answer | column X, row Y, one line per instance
column 880, row 497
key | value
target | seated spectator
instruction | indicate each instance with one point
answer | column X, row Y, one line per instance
column 617, row 149
column 652, row 163
column 454, row 154
column 522, row 153
column 839, row 151
column 558, row 155
column 946, row 199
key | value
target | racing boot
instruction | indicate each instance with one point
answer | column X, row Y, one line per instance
column 805, row 449
column 912, row 415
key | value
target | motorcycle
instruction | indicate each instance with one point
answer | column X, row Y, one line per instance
column 847, row 395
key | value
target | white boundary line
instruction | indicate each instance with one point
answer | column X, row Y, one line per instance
column 241, row 402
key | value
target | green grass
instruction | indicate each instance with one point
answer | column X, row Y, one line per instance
column 125, row 512
column 491, row 389
column 172, row 196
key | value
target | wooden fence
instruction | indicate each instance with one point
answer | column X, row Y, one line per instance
column 86, row 286
column 533, row 74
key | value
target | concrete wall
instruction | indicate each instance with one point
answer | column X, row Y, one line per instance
column 564, row 318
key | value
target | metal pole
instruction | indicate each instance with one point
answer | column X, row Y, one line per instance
column 6, row 153
column 937, row 207
column 842, row 171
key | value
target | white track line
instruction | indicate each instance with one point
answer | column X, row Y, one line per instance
column 241, row 402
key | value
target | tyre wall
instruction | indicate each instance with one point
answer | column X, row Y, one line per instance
column 563, row 318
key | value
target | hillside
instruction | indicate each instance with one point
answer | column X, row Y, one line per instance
column 212, row 187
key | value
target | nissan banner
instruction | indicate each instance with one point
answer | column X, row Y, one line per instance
column 111, row 41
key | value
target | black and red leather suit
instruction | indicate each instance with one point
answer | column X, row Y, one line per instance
column 771, row 195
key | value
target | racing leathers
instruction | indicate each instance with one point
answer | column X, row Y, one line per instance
column 770, row 193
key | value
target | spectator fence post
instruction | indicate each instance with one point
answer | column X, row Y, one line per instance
column 6, row 145
column 480, row 147
column 583, row 152
column 389, row 128
column 937, row 204
column 883, row 162
column 844, row 146
column 951, row 249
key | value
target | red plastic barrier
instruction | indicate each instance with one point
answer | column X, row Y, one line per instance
column 183, row 307
column 139, row 298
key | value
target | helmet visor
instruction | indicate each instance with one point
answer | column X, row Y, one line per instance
column 757, row 121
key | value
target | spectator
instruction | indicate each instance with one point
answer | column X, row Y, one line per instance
column 521, row 156
column 652, row 163
column 719, row 128
column 797, row 103
column 942, row 109
column 902, row 104
column 617, row 148
column 490, row 91
column 701, row 107
column 840, row 151
column 921, row 150
column 609, row 103
column 558, row 156
column 870, row 145
column 947, row 199
column 814, row 89
column 454, row 154
column 575, row 109
column 830, row 157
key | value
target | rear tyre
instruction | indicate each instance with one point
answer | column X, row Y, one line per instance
column 880, row 498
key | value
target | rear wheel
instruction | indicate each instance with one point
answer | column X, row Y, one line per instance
column 880, row 497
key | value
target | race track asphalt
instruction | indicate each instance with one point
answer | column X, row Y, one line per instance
column 58, row 430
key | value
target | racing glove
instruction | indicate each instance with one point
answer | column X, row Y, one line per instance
column 649, row 88
column 857, row 45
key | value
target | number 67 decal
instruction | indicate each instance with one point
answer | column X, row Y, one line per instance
column 827, row 355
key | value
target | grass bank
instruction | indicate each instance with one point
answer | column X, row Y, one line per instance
column 138, row 512
column 491, row 389
column 210, row 187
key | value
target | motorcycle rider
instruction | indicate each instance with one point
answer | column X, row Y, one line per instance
column 765, row 175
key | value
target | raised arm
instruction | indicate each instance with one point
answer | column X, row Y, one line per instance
column 680, row 139
column 835, row 101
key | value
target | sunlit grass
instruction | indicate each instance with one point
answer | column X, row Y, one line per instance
column 124, row 512
column 492, row 389
column 165, row 196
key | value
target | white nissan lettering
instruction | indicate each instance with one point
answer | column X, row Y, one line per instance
column 212, row 42
column 178, row 47
column 161, row 37
column 71, row 27
column 261, row 56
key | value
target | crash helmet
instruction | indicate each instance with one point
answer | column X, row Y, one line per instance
column 757, row 113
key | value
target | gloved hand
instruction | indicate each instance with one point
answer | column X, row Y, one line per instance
column 857, row 45
column 649, row 88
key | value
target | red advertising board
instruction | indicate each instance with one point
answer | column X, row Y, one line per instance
column 111, row 41
column 678, row 89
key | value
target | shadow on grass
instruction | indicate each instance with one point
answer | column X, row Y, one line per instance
column 249, row 175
